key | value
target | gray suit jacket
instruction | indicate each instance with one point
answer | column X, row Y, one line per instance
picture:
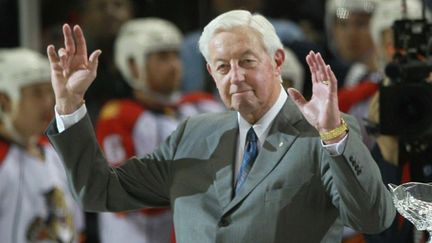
column 295, row 192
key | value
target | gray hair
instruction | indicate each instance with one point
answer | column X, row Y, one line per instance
column 241, row 18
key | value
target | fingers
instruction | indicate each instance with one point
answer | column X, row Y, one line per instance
column 57, row 70
column 94, row 60
column 322, row 67
column 332, row 79
column 52, row 55
column 315, row 67
column 68, row 40
column 81, row 46
column 54, row 59
column 297, row 97
column 74, row 46
column 62, row 54
column 320, row 70
column 318, row 66
column 312, row 66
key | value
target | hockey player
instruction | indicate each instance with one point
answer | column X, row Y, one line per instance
column 35, row 202
column 350, row 40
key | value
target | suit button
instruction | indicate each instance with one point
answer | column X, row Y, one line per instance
column 352, row 159
column 224, row 222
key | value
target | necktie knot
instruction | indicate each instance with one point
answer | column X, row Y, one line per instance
column 251, row 136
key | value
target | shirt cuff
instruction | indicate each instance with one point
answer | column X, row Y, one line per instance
column 336, row 149
column 65, row 121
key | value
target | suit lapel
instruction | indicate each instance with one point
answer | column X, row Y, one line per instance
column 280, row 138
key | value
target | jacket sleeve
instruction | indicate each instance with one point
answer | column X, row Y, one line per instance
column 136, row 184
column 354, row 182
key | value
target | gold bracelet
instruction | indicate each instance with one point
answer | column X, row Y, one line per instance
column 332, row 134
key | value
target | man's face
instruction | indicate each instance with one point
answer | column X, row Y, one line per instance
column 34, row 110
column 246, row 76
column 352, row 37
column 163, row 71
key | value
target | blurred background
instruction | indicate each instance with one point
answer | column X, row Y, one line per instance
column 39, row 16
column 354, row 36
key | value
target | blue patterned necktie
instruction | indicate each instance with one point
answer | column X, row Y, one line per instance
column 249, row 156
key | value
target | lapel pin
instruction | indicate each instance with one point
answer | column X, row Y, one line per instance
column 281, row 143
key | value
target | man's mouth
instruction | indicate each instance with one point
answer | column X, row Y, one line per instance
column 240, row 91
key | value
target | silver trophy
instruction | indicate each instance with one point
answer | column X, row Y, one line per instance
column 413, row 200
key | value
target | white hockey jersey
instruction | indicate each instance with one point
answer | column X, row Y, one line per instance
column 36, row 204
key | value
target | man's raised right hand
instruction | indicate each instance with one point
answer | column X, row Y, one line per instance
column 71, row 71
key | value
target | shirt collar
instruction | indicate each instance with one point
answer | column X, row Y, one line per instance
column 262, row 126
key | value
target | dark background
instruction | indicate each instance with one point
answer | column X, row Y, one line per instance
column 187, row 14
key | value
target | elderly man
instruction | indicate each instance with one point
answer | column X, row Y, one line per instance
column 274, row 169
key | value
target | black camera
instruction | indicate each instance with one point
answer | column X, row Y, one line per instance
column 406, row 103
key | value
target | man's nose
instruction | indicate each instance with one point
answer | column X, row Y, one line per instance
column 237, row 73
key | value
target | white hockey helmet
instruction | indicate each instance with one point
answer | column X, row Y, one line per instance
column 20, row 67
column 139, row 37
column 387, row 11
column 342, row 9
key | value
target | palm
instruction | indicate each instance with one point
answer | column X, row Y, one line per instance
column 321, row 110
column 319, row 106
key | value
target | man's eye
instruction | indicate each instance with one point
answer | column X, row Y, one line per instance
column 222, row 68
column 248, row 62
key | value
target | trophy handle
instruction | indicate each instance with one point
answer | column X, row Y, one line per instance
column 392, row 186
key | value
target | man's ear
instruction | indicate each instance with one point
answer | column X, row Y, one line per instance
column 133, row 68
column 209, row 70
column 5, row 103
column 279, row 58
